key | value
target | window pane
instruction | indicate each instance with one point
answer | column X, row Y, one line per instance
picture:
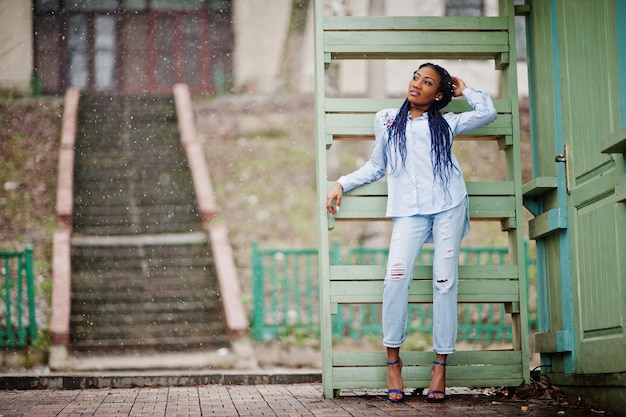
column 134, row 37
column 177, row 4
column 465, row 7
column 164, row 39
column 192, row 51
column 135, row 4
column 219, row 4
column 77, row 46
column 48, row 49
column 91, row 5
column 46, row 6
column 105, row 52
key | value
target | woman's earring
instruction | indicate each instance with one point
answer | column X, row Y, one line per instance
column 437, row 99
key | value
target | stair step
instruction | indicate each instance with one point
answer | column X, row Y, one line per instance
column 170, row 344
column 142, row 274
column 167, row 305
column 146, row 228
column 114, row 327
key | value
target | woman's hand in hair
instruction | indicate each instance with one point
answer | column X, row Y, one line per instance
column 458, row 85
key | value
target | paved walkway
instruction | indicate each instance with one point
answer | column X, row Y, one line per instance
column 298, row 399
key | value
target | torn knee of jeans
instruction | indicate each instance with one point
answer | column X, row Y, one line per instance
column 443, row 284
column 449, row 253
column 397, row 271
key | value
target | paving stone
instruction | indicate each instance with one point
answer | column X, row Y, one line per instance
column 277, row 400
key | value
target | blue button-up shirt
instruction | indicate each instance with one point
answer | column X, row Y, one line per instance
column 414, row 189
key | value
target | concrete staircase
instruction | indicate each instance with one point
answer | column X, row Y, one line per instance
column 142, row 275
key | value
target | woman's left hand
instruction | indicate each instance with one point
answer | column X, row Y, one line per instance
column 459, row 85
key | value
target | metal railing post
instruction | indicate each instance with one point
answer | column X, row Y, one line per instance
column 30, row 282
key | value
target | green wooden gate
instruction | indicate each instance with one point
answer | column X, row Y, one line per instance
column 351, row 120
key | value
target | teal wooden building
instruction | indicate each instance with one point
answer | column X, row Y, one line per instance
column 577, row 68
column 577, row 197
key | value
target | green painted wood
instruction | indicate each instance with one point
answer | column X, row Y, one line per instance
column 392, row 45
column 351, row 119
column 373, row 105
column 397, row 38
column 374, row 207
column 377, row 272
column 474, row 291
column 508, row 376
column 421, row 358
column 557, row 341
column 581, row 284
column 547, row 223
column 539, row 186
column 465, row 368
column 597, row 267
column 474, row 188
column 327, row 309
column 614, row 142
column 620, row 190
column 424, row 23
column 590, row 191
column 362, row 124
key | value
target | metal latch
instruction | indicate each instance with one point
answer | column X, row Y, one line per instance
column 562, row 158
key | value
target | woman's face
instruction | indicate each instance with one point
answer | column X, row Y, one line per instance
column 424, row 88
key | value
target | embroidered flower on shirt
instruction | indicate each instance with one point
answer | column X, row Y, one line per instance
column 389, row 117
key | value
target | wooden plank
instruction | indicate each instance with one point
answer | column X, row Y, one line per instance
column 377, row 272
column 474, row 188
column 465, row 368
column 373, row 105
column 546, row 223
column 490, row 188
column 556, row 341
column 539, row 186
column 362, row 208
column 402, row 23
column 421, row 291
column 372, row 41
column 491, row 207
column 422, row 373
column 362, row 124
column 487, row 376
column 409, row 44
column 416, row 358
column 374, row 207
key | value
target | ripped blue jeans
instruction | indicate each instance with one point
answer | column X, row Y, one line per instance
column 408, row 236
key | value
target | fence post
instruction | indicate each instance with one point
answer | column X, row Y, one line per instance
column 20, row 276
column 7, row 301
column 30, row 282
column 337, row 324
column 258, row 293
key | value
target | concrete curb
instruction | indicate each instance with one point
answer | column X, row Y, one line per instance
column 156, row 379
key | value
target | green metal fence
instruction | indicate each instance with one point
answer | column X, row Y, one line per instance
column 18, row 326
column 286, row 297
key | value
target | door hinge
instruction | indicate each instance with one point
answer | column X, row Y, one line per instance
column 563, row 158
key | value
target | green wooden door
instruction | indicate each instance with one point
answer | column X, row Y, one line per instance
column 581, row 215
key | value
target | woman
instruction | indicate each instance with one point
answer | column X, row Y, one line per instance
column 427, row 201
